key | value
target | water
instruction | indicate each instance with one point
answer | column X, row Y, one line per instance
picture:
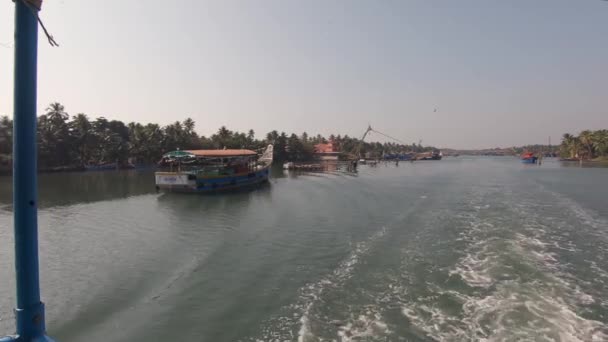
column 463, row 249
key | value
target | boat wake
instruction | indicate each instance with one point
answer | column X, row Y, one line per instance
column 367, row 325
column 301, row 321
column 517, row 281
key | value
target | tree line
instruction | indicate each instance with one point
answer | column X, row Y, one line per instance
column 76, row 141
column 548, row 150
column 587, row 145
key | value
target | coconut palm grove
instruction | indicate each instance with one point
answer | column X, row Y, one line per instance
column 69, row 142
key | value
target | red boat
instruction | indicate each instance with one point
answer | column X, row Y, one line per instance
column 529, row 158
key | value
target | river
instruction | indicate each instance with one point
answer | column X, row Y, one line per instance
column 463, row 249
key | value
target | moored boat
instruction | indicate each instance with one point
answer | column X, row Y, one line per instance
column 212, row 170
column 400, row 156
column 528, row 158
column 434, row 155
column 304, row 166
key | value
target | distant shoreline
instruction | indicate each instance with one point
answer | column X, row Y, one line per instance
column 7, row 171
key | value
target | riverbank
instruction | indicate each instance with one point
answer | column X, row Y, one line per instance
column 598, row 160
column 6, row 170
column 603, row 159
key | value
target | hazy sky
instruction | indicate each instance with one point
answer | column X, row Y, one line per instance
column 500, row 73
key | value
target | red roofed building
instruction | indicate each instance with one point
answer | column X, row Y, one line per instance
column 327, row 151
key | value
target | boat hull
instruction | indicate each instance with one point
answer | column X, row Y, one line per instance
column 529, row 160
column 188, row 182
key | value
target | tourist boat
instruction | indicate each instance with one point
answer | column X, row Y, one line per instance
column 212, row 170
column 528, row 158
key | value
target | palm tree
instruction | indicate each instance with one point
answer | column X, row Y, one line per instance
column 82, row 137
column 190, row 138
column 600, row 141
column 56, row 112
column 223, row 138
column 272, row 137
column 571, row 146
column 586, row 138
column 6, row 135
column 576, row 148
column 153, row 143
column 188, row 125
column 57, row 135
column 566, row 145
column 280, row 146
column 174, row 137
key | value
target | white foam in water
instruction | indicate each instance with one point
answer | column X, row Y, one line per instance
column 512, row 312
column 280, row 328
column 342, row 273
column 476, row 266
column 475, row 269
column 304, row 334
column 432, row 321
column 507, row 305
column 368, row 325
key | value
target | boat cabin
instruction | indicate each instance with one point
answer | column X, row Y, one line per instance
column 210, row 162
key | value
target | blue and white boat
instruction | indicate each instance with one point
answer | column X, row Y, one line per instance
column 212, row 170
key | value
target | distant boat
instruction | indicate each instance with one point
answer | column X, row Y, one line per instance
column 212, row 170
column 435, row 155
column 529, row 158
column 400, row 156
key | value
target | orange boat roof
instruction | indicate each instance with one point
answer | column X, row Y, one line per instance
column 222, row 153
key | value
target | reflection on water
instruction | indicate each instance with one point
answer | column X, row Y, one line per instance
column 221, row 201
column 84, row 187
column 584, row 164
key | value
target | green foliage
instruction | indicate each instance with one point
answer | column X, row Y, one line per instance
column 537, row 148
column 587, row 145
column 6, row 135
column 79, row 141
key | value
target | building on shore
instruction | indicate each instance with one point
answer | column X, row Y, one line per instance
column 328, row 151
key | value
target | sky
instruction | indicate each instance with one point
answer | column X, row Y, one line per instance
column 460, row 74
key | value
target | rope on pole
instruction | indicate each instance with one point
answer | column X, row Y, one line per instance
column 35, row 6
column 388, row 136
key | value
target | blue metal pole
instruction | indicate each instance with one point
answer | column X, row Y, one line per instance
column 30, row 310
